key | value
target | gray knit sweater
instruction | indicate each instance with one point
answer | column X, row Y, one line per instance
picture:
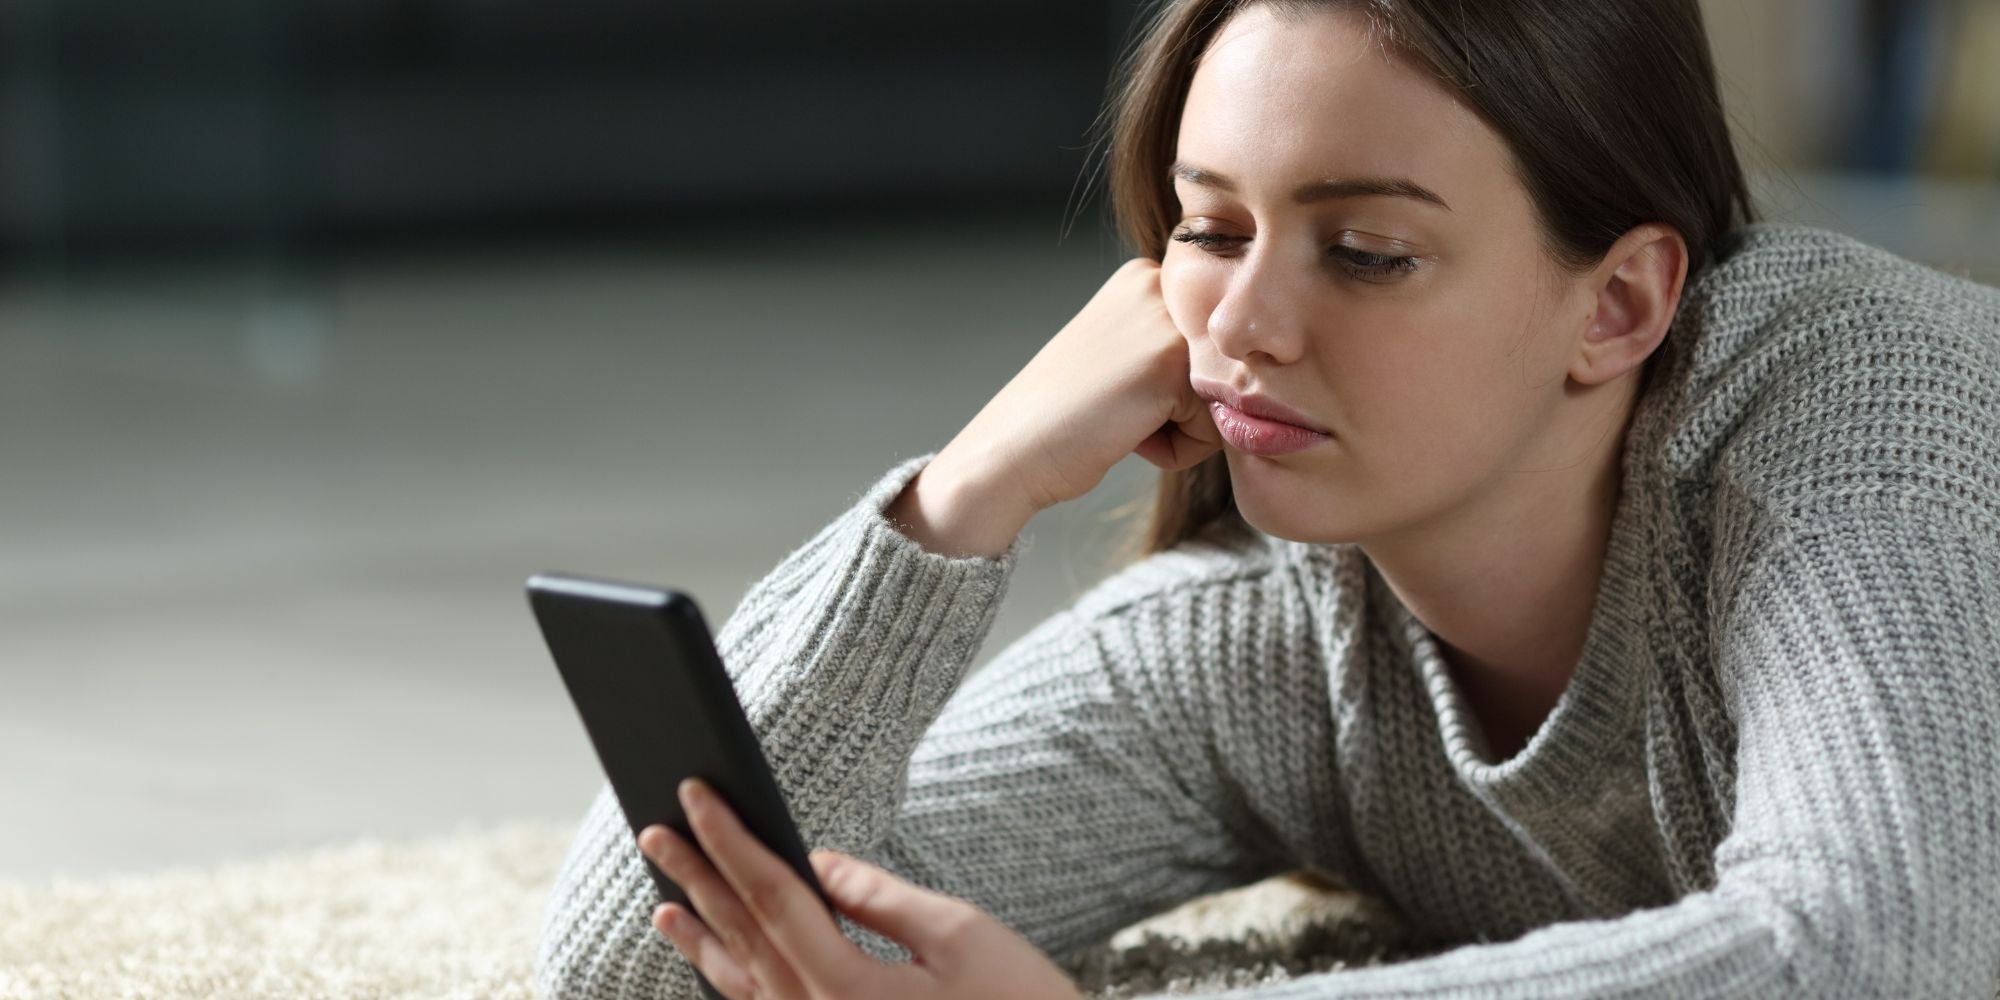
column 1776, row 770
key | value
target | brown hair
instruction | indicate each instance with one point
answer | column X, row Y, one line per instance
column 1610, row 111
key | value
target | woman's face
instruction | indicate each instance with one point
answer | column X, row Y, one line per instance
column 1431, row 341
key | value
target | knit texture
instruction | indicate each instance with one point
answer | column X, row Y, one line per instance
column 1772, row 773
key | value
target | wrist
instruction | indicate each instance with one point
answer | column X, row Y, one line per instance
column 954, row 509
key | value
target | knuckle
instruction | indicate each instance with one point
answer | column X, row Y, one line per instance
column 748, row 986
column 766, row 898
column 733, row 938
column 671, row 857
column 730, row 935
column 859, row 885
column 960, row 924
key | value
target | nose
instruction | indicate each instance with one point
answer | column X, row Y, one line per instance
column 1258, row 312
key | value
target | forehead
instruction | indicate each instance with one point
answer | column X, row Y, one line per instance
column 1280, row 99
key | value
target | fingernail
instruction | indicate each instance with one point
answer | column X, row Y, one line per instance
column 691, row 791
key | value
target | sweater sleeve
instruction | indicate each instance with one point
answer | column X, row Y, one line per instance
column 1860, row 656
column 1032, row 790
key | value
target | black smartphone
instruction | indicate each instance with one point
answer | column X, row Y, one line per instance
column 645, row 675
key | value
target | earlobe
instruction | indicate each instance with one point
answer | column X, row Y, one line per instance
column 1638, row 286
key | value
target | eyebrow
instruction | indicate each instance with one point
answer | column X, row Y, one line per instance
column 1347, row 187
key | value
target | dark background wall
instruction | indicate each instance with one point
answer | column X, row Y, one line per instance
column 131, row 125
column 282, row 126
column 341, row 317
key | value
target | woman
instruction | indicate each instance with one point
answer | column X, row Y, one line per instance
column 1608, row 582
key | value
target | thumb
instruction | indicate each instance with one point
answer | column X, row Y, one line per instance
column 1194, row 419
column 875, row 898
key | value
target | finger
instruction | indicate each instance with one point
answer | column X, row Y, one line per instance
column 788, row 912
column 1154, row 448
column 1172, row 448
column 1186, row 438
column 704, row 950
column 926, row 922
column 716, row 903
column 1186, row 450
column 1195, row 418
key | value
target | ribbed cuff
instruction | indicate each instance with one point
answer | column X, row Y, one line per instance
column 853, row 660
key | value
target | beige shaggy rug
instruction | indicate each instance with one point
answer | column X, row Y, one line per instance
column 456, row 916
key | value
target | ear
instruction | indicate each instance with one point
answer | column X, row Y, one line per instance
column 1636, row 289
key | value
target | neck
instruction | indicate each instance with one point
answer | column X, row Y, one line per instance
column 1508, row 582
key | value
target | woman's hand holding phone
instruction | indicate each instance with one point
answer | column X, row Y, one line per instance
column 1112, row 382
column 762, row 933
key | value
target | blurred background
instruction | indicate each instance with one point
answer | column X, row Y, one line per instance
column 323, row 324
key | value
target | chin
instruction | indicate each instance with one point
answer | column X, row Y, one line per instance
column 1285, row 499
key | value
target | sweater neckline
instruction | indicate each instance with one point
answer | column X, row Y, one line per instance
column 1589, row 723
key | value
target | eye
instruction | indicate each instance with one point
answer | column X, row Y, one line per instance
column 1206, row 241
column 1360, row 264
column 1374, row 266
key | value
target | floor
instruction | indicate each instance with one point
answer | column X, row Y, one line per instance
column 265, row 529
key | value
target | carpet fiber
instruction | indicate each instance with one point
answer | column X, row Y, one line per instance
column 456, row 916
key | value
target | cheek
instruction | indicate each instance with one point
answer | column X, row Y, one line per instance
column 1186, row 295
column 1431, row 390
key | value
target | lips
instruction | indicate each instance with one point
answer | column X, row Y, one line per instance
column 1254, row 405
column 1256, row 424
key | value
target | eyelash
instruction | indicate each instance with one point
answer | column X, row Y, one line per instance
column 1364, row 271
